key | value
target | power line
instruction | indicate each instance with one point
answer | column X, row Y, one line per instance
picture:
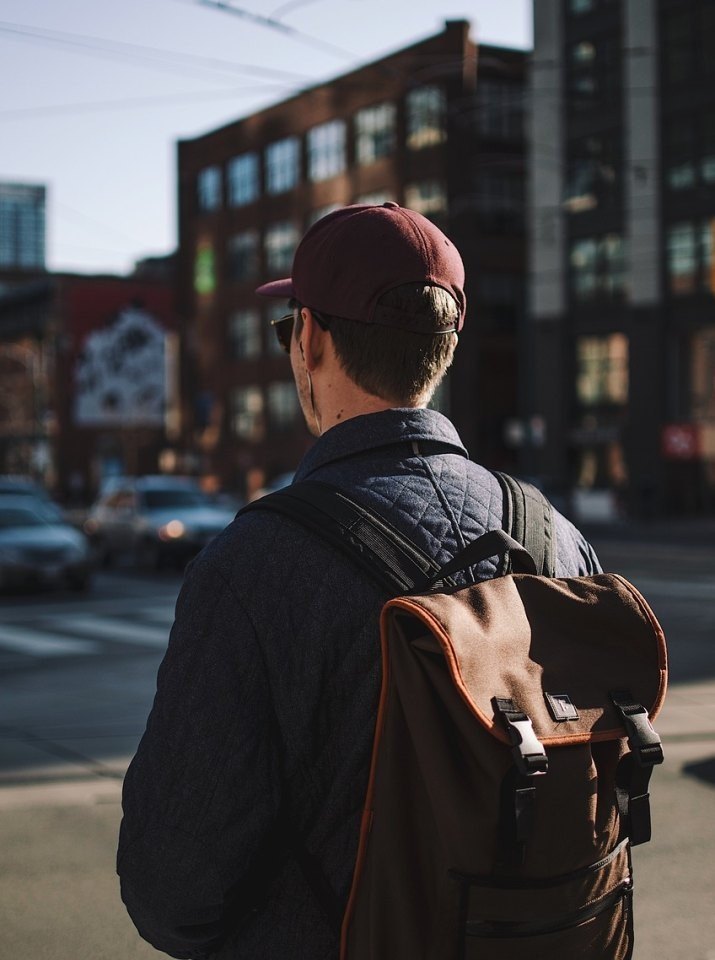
column 280, row 27
column 128, row 103
column 289, row 7
column 148, row 56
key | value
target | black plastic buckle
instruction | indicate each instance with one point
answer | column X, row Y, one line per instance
column 528, row 751
column 644, row 742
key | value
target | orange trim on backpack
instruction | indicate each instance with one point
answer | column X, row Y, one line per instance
column 490, row 723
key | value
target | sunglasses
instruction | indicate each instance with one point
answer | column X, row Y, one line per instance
column 283, row 327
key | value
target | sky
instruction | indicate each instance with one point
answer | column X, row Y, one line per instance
column 94, row 94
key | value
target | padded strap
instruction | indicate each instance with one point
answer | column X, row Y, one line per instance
column 529, row 518
column 380, row 549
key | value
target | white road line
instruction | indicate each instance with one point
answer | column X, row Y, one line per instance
column 123, row 631
column 159, row 614
column 41, row 643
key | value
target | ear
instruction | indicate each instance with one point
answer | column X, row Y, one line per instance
column 312, row 341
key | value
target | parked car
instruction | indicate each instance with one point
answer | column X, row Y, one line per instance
column 38, row 546
column 153, row 520
column 15, row 485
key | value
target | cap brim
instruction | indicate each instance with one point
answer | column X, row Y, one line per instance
column 277, row 288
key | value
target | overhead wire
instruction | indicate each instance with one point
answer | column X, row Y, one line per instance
column 277, row 25
column 144, row 55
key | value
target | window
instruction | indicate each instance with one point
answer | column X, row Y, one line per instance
column 321, row 212
column 428, row 197
column 691, row 258
column 581, row 6
column 326, row 150
column 707, row 161
column 678, row 46
column 680, row 153
column 204, row 269
column 602, row 370
column 243, row 185
column 499, row 201
column 280, row 242
column 593, row 73
column 702, row 376
column 682, row 259
column 598, row 267
column 500, row 111
column 282, row 165
column 426, row 117
column 375, row 132
column 245, row 334
column 592, row 178
column 247, row 413
column 209, row 188
column 242, row 260
column 375, row 198
column 283, row 407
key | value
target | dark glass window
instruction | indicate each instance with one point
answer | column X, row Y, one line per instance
column 242, row 255
column 593, row 173
column 243, row 185
column 597, row 267
column 678, row 45
column 375, row 132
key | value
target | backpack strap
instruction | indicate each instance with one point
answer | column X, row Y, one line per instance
column 529, row 519
column 387, row 555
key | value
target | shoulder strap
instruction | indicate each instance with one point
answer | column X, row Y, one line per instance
column 380, row 549
column 529, row 519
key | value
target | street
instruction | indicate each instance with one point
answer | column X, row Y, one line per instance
column 77, row 677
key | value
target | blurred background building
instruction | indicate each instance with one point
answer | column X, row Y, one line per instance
column 438, row 127
column 579, row 186
column 622, row 258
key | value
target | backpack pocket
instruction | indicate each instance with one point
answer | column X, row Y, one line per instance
column 585, row 914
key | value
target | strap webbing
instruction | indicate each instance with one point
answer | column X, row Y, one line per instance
column 529, row 518
column 380, row 549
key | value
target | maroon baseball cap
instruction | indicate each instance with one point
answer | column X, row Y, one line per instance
column 349, row 258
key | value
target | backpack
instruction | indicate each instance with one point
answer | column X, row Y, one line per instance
column 513, row 746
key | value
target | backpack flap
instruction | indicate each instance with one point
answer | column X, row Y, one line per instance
column 559, row 649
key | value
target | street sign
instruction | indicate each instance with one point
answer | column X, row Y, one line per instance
column 681, row 441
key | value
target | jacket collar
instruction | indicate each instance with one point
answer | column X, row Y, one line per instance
column 374, row 430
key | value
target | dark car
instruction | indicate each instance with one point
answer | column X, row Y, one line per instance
column 154, row 520
column 38, row 547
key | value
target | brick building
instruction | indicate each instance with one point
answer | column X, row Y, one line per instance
column 437, row 127
column 88, row 379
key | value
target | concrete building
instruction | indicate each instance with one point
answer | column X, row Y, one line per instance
column 437, row 127
column 622, row 253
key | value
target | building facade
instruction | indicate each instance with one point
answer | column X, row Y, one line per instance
column 88, row 380
column 622, row 255
column 437, row 127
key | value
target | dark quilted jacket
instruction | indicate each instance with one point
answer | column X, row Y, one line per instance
column 260, row 735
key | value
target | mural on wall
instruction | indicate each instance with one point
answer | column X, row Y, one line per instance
column 120, row 377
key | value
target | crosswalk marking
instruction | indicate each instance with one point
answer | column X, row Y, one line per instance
column 123, row 631
column 42, row 643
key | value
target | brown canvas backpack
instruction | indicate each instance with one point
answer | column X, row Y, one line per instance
column 513, row 745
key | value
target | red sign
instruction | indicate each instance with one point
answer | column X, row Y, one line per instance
column 681, row 441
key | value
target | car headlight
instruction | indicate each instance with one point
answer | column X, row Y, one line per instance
column 173, row 530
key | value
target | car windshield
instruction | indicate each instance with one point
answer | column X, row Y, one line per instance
column 20, row 517
column 158, row 499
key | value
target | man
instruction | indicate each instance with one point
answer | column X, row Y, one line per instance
column 242, row 806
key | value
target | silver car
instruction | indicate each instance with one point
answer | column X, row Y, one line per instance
column 154, row 520
column 39, row 547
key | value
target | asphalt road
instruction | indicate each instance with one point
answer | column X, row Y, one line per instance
column 76, row 682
